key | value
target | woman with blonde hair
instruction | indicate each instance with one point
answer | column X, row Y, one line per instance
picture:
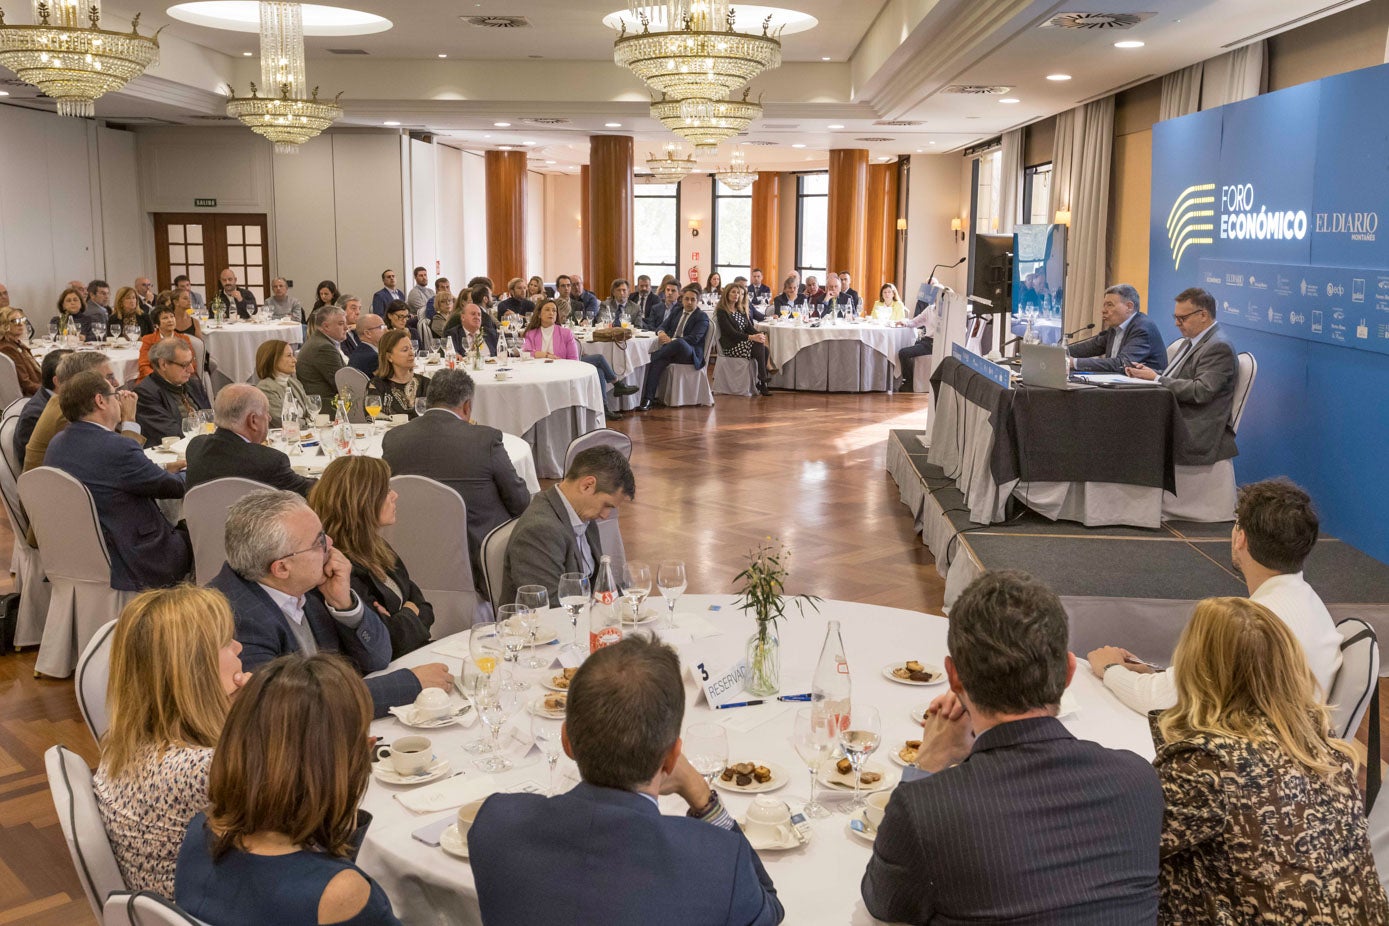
column 126, row 313
column 174, row 667
column 14, row 330
column 282, row 821
column 738, row 337
column 1264, row 821
column 354, row 500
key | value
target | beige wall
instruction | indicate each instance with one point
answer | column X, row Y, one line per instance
column 933, row 199
column 563, row 213
column 696, row 202
column 1347, row 41
column 786, row 250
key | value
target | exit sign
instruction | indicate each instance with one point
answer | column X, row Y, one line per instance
column 204, row 202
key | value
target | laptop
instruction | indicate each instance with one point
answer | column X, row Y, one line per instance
column 1045, row 365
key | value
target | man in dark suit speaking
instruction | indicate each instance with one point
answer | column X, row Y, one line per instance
column 1128, row 337
column 237, row 448
column 1011, row 818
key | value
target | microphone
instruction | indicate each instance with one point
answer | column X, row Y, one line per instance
column 932, row 275
column 1079, row 330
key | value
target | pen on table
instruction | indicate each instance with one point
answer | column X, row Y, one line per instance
column 1134, row 660
column 804, row 697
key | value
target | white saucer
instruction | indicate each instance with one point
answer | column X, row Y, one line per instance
column 869, row 837
column 764, row 844
column 384, row 773
column 778, row 780
column 407, row 717
column 452, row 843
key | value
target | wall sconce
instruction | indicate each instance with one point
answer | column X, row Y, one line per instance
column 957, row 226
column 694, row 227
column 901, row 225
column 1063, row 217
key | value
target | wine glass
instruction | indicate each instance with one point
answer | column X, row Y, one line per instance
column 342, row 439
column 511, row 627
column 545, row 730
column 373, row 407
column 573, row 594
column 860, row 740
column 706, row 746
column 132, row 333
column 314, row 405
column 421, row 406
column 636, row 585
column 536, row 600
column 206, row 424
column 496, row 702
column 190, row 425
column 814, row 738
column 670, row 579
column 485, row 648
column 53, row 331
column 99, row 331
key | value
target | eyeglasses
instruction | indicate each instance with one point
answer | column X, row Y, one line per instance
column 1181, row 318
column 320, row 543
column 187, row 366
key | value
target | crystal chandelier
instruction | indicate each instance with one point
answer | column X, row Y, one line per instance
column 706, row 122
column 71, row 63
column 694, row 50
column 293, row 116
column 672, row 166
column 737, row 175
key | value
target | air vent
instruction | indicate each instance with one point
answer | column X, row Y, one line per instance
column 780, row 126
column 348, row 51
column 546, row 120
column 497, row 22
column 1098, row 20
column 761, row 144
column 976, row 89
column 874, row 138
column 12, row 82
column 898, row 123
column 213, row 118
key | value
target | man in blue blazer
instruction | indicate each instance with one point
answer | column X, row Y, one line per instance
column 1128, row 337
column 387, row 294
column 604, row 852
column 371, row 328
column 146, row 550
column 682, row 336
column 291, row 592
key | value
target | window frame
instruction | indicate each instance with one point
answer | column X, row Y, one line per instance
column 1029, row 176
column 636, row 258
column 715, row 263
column 801, row 197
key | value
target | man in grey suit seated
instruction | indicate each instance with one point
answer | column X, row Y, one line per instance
column 559, row 531
column 445, row 445
column 321, row 357
column 1129, row 337
column 1007, row 817
column 1202, row 376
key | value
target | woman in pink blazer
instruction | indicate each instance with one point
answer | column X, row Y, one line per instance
column 545, row 340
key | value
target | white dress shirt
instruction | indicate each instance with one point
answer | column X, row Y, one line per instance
column 1119, row 337
column 1183, row 353
column 580, row 527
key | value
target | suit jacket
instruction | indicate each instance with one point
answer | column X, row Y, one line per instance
column 1034, row 826
column 319, row 361
column 761, row 291
column 696, row 330
column 263, row 632
column 147, row 342
column 468, row 458
column 519, row 306
column 349, row 343
column 275, row 393
column 365, row 358
column 489, row 337
column 28, row 418
column 600, row 855
column 543, row 547
column 1140, row 342
column 381, row 300
column 241, row 302
column 146, row 550
column 1204, row 383
column 656, row 313
column 226, row 453
column 590, row 303
column 160, row 413
column 408, row 630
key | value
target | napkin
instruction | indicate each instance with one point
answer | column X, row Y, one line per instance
column 744, row 719
column 697, row 626
column 448, row 794
column 455, row 646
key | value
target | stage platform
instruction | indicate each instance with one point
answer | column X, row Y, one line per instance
column 1122, row 585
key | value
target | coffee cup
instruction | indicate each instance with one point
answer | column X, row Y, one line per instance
column 768, row 818
column 432, row 704
column 399, row 419
column 322, row 420
column 409, row 755
column 168, row 442
column 877, row 806
column 466, row 815
column 501, row 375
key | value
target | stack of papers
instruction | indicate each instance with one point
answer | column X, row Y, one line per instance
column 1114, row 379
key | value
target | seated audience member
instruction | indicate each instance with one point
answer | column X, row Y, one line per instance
column 418, row 298
column 682, row 339
column 1275, row 530
column 586, row 298
column 443, row 444
column 366, row 356
column 616, row 305
column 432, row 310
column 813, row 294
column 327, row 294
column 713, row 285
column 145, row 293
column 14, row 331
column 926, row 320
column 195, row 298
column 515, row 306
column 281, row 304
column 535, row 290
column 1129, row 337
column 830, row 300
column 291, row 592
column 33, row 409
column 170, row 393
column 99, row 300
column 232, row 300
column 622, row 726
column 351, row 312
column 51, row 421
column 354, row 500
column 848, row 290
column 889, row 307
column 275, row 366
column 558, row 532
column 126, row 312
column 73, row 317
column 1202, row 376
column 383, row 297
column 281, row 824
column 320, row 357
column 185, row 322
column 398, row 319
column 1265, row 822
column 396, row 380
column 237, row 447
column 545, row 339
column 174, row 666
column 758, row 291
column 737, row 336
column 570, row 306
column 163, row 320
column 657, row 310
column 146, row 550
column 997, row 771
column 470, row 334
column 642, row 299
column 789, row 299
column 443, row 305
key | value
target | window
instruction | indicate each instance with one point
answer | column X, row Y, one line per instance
column 656, row 237
column 1036, row 195
column 812, row 224
column 732, row 231
column 987, row 185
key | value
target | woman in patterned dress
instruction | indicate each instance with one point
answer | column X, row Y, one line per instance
column 1264, row 821
column 737, row 336
column 396, row 380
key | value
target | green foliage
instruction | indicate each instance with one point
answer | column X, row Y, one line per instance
column 762, row 585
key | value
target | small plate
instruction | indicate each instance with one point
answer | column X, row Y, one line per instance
column 763, row 844
column 452, row 718
column 645, row 616
column 538, row 708
column 830, row 777
column 868, row 834
column 937, row 672
column 549, row 682
column 897, row 757
column 452, row 843
column 383, row 773
column 778, row 780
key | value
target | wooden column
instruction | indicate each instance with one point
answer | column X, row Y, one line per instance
column 892, row 211
column 506, row 215
column 875, row 216
column 610, row 192
column 848, row 192
column 585, row 217
column 766, row 227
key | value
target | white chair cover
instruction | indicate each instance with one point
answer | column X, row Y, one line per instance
column 438, row 561
column 494, row 560
column 144, row 909
column 734, row 375
column 205, row 509
column 922, row 368
column 78, row 566
column 9, row 382
column 200, row 357
column 683, row 384
column 603, row 437
column 70, row 781
column 354, row 382
column 1207, row 493
column 1354, row 683
column 29, row 580
column 93, row 671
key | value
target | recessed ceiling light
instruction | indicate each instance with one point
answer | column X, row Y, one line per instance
column 247, row 54
column 502, row 125
column 443, row 56
column 487, row 136
column 390, row 123
column 244, row 16
column 834, row 126
column 930, row 143
column 825, row 59
column 612, row 125
column 1058, row 77
column 4, row 93
column 551, row 162
column 527, row 143
column 1129, row 43
column 798, row 146
column 1010, row 99
column 886, row 157
column 919, row 150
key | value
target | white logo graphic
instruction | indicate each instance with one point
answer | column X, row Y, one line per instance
column 1362, row 330
column 1189, row 221
column 1307, row 290
column 1296, row 318
column 1333, row 290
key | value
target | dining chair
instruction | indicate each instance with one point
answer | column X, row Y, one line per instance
column 93, row 671
column 205, row 511
column 70, row 783
column 25, row 562
column 437, row 560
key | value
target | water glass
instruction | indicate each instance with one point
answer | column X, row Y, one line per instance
column 670, row 579
column 132, row 333
column 314, row 404
column 421, row 405
column 574, row 596
column 636, row 585
column 706, row 746
column 536, row 600
column 190, row 425
column 496, row 703
column 511, row 628
column 814, row 737
column 546, row 733
column 859, row 740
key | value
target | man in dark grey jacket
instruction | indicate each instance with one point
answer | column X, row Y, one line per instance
column 321, row 356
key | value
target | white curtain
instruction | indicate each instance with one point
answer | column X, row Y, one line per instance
column 1080, row 183
column 1010, row 181
column 1239, row 75
column 1181, row 92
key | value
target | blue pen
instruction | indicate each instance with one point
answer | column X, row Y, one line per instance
column 719, row 707
column 796, row 697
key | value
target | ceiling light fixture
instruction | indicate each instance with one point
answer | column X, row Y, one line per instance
column 248, row 54
column 528, row 143
column 1058, row 77
column 737, row 176
column 1129, row 43
column 244, row 16
column 673, row 165
column 798, row 145
column 691, row 48
column 706, row 122
column 390, row 122
column 826, row 59
column 294, row 116
column 502, row 125
column 1010, row 99
column 834, row 126
column 443, row 56
column 612, row 125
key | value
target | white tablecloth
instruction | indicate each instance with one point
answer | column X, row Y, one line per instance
column 629, row 362
column 817, row 883
column 849, row 345
column 125, row 360
column 233, row 345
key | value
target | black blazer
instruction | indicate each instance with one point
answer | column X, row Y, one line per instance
column 1035, row 826
column 1141, row 342
column 225, row 453
column 409, row 631
column 159, row 413
column 731, row 333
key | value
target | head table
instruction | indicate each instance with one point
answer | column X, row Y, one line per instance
column 819, row 882
column 857, row 356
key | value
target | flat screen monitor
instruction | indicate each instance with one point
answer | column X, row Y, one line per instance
column 992, row 278
column 926, row 295
column 1039, row 269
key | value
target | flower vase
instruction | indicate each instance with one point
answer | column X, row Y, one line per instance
column 764, row 661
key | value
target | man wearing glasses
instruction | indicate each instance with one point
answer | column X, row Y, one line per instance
column 171, row 393
column 1201, row 374
column 371, row 328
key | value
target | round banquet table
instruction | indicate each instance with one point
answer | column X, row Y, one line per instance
column 233, row 344
column 629, row 361
column 819, row 882
column 125, row 359
column 856, row 356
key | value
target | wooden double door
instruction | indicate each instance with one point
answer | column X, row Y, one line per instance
column 202, row 244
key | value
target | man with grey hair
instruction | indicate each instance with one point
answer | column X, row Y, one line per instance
column 171, row 392
column 352, row 313
column 51, row 420
column 290, row 591
column 237, row 448
column 281, row 304
column 1128, row 337
column 320, row 357
column 445, row 445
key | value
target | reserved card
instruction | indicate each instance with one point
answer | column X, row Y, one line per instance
column 719, row 685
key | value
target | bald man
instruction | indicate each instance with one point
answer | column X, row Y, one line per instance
column 237, row 448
